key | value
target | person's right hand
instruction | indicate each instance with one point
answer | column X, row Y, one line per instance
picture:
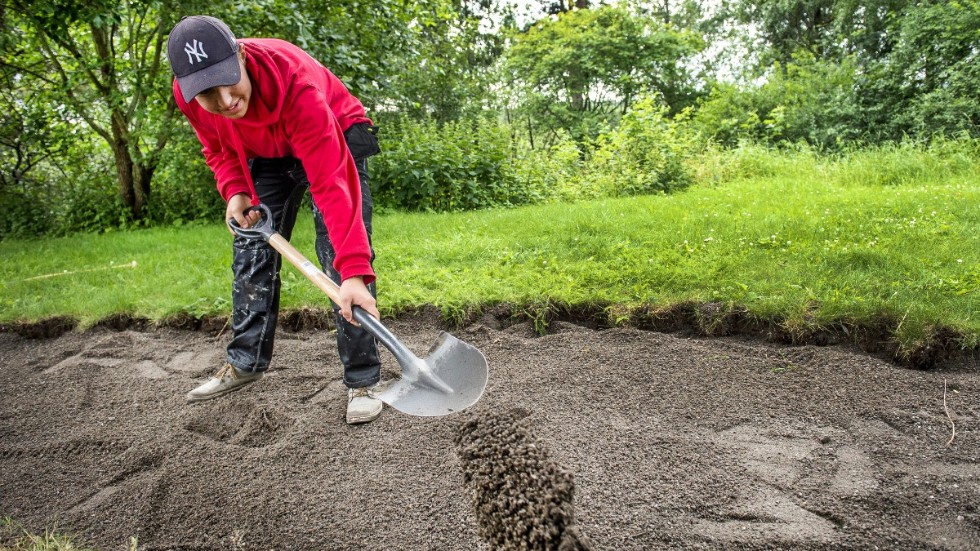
column 236, row 208
column 353, row 292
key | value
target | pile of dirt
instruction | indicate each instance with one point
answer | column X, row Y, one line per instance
column 673, row 443
column 522, row 499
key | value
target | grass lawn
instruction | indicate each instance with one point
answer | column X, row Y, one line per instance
column 806, row 246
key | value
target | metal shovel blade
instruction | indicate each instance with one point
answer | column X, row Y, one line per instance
column 451, row 378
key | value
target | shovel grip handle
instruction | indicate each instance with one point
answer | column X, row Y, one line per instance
column 263, row 230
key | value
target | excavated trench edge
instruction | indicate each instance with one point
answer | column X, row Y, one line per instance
column 940, row 348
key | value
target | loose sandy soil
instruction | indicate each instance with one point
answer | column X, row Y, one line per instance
column 674, row 442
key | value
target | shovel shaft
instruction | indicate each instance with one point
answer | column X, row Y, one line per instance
column 310, row 270
column 328, row 286
column 412, row 367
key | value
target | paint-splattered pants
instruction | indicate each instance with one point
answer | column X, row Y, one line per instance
column 281, row 185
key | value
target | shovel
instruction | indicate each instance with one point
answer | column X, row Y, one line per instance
column 450, row 379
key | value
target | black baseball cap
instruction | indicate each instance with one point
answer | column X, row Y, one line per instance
column 202, row 52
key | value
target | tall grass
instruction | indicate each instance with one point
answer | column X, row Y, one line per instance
column 786, row 235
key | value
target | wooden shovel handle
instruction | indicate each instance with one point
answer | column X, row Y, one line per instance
column 309, row 269
column 265, row 231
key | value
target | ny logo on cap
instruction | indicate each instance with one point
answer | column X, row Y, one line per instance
column 197, row 50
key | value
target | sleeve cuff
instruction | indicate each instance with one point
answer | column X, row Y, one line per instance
column 358, row 270
column 231, row 191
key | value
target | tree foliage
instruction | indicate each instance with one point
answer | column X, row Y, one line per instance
column 891, row 68
column 805, row 100
column 104, row 64
column 445, row 74
column 580, row 69
column 930, row 82
column 90, row 137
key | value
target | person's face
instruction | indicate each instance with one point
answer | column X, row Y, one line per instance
column 228, row 101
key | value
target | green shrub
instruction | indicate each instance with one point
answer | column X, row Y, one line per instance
column 177, row 204
column 464, row 165
column 183, row 186
column 554, row 173
column 26, row 214
column 646, row 153
column 730, row 115
column 477, row 164
column 806, row 100
column 93, row 207
column 54, row 198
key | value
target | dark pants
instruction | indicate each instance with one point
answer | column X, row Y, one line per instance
column 281, row 185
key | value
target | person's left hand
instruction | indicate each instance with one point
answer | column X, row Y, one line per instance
column 353, row 291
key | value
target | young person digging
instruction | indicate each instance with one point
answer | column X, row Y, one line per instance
column 274, row 122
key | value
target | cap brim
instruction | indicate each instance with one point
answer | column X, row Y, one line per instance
column 226, row 72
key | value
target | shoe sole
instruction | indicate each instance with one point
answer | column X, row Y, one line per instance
column 204, row 397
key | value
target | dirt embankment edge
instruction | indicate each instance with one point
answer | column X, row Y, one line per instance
column 941, row 346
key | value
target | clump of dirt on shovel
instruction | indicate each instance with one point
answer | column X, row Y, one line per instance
column 522, row 499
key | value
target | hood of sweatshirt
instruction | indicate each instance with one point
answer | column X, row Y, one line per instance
column 266, row 69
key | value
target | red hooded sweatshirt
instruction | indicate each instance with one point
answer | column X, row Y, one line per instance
column 298, row 108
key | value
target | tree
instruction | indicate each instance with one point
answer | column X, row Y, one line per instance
column 30, row 138
column 447, row 75
column 791, row 25
column 29, row 135
column 806, row 100
column 426, row 58
column 914, row 63
column 105, row 60
column 933, row 70
column 583, row 67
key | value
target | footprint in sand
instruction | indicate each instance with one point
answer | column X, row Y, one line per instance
column 239, row 424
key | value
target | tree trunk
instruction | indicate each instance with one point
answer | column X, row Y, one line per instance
column 134, row 183
column 124, row 175
column 577, row 87
column 530, row 131
column 143, row 175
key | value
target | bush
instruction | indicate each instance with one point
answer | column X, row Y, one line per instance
column 92, row 207
column 53, row 197
column 479, row 164
column 183, row 187
column 25, row 214
column 645, row 154
column 807, row 100
column 464, row 165
column 554, row 173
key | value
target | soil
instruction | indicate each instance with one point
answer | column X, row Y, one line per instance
column 672, row 441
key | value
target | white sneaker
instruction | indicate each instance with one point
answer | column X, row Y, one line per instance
column 362, row 405
column 224, row 381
